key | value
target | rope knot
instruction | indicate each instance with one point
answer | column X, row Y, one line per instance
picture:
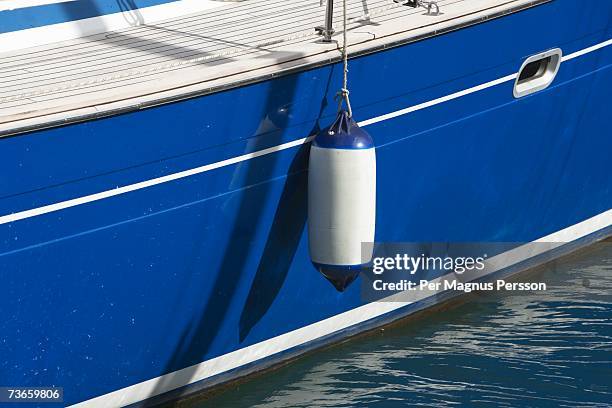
column 343, row 96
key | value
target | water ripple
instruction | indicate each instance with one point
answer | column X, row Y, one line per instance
column 550, row 348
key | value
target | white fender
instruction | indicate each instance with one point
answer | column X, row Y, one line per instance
column 341, row 200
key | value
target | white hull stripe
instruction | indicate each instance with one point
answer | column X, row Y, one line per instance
column 21, row 215
column 147, row 183
column 585, row 51
column 334, row 324
column 438, row 101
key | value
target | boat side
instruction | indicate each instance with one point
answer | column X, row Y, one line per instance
column 146, row 65
column 165, row 247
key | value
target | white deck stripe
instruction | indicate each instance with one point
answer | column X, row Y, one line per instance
column 202, row 169
column 334, row 324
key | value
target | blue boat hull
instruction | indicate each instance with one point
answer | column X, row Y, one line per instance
column 114, row 292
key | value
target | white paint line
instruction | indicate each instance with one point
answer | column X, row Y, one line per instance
column 198, row 372
column 437, row 101
column 241, row 357
column 6, row 5
column 586, row 50
column 164, row 179
column 202, row 169
column 32, row 37
column 147, row 183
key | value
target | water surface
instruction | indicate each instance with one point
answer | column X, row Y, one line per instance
column 550, row 348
